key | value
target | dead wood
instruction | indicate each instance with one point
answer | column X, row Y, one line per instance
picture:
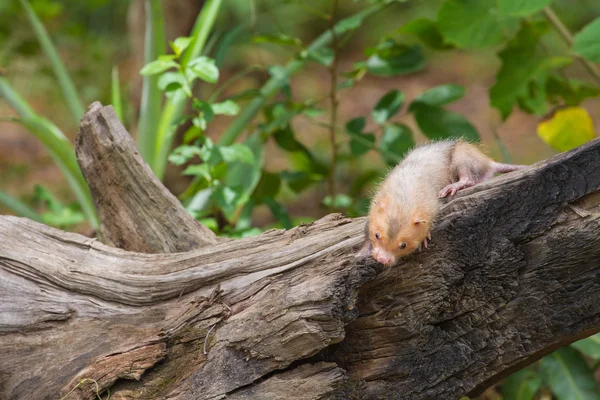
column 512, row 274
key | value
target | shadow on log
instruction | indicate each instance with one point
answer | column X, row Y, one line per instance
column 512, row 274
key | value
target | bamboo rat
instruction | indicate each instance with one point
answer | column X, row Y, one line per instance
column 406, row 203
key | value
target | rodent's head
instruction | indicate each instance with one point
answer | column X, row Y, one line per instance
column 392, row 234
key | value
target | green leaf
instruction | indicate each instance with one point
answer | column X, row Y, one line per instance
column 279, row 212
column 522, row 63
column 360, row 144
column 441, row 95
column 427, row 31
column 59, row 147
column 58, row 214
column 200, row 201
column 180, row 44
column 586, row 42
column 521, row 8
column 287, row 141
column 171, row 81
column 202, row 170
column 340, row 201
column 571, row 91
column 397, row 139
column 568, row 376
column 521, row 385
column 299, row 180
column 568, row 128
column 158, row 66
column 228, row 107
column 204, row 68
column 437, row 123
column 391, row 59
column 151, row 101
column 388, row 106
column 356, row 125
column 183, row 154
column 323, row 55
column 18, row 207
column 278, row 39
column 244, row 177
column 173, row 108
column 474, row 24
column 115, row 93
column 65, row 83
column 349, row 23
column 268, row 186
column 237, row 153
column 589, row 346
column 228, row 199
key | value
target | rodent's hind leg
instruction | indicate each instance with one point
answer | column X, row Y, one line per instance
column 465, row 181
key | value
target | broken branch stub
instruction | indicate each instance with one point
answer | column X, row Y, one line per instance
column 137, row 212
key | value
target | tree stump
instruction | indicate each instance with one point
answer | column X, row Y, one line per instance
column 512, row 273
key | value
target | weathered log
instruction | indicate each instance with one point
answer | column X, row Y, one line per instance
column 513, row 272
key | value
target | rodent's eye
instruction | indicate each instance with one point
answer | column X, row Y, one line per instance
column 377, row 236
column 402, row 245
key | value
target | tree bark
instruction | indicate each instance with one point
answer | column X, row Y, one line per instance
column 512, row 273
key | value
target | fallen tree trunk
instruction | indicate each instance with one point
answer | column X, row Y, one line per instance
column 512, row 274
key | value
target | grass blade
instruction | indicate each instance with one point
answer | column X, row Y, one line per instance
column 18, row 207
column 116, row 93
column 174, row 107
column 151, row 94
column 56, row 143
column 64, row 80
column 273, row 85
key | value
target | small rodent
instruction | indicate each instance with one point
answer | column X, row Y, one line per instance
column 406, row 203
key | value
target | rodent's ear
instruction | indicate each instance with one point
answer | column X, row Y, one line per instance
column 420, row 221
column 380, row 203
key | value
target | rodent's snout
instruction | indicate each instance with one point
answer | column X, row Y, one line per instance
column 384, row 258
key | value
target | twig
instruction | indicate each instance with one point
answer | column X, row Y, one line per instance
column 206, row 338
column 568, row 38
column 333, row 99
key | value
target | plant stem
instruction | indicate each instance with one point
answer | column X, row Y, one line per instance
column 568, row 38
column 174, row 107
column 333, row 100
column 154, row 46
column 274, row 84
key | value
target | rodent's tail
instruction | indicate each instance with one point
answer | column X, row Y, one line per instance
column 503, row 168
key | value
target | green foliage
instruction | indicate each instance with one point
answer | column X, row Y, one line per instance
column 474, row 24
column 524, row 72
column 567, row 374
column 388, row 106
column 590, row 347
column 586, row 42
column 522, row 385
column 521, row 8
column 55, row 143
column 390, row 58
